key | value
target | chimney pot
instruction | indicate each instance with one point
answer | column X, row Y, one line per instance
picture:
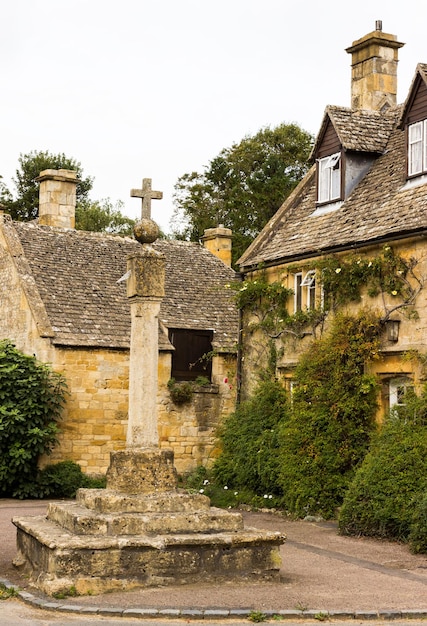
column 378, row 25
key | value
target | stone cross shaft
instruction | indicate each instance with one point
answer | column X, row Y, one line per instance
column 147, row 194
column 145, row 290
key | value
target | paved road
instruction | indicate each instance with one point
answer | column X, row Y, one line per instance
column 352, row 579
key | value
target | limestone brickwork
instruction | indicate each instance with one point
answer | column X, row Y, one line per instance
column 60, row 300
column 393, row 361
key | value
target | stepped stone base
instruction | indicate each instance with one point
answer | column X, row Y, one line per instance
column 108, row 540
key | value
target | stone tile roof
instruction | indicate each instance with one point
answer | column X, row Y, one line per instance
column 74, row 276
column 359, row 130
column 380, row 207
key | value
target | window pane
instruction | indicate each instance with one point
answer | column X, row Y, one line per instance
column 335, row 183
column 415, row 148
column 323, row 192
column 298, row 292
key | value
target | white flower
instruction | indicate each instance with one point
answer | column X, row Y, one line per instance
column 201, row 490
column 206, row 482
column 265, row 496
column 270, row 497
column 337, row 271
column 225, row 487
column 236, row 493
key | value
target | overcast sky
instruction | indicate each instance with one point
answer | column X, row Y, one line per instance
column 138, row 89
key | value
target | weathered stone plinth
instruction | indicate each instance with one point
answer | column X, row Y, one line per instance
column 108, row 540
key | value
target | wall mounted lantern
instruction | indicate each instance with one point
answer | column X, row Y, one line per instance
column 392, row 329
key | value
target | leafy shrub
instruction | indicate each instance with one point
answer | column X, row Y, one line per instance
column 61, row 480
column 31, row 400
column 180, row 392
column 333, row 417
column 249, row 441
column 392, row 479
column 418, row 529
column 202, row 480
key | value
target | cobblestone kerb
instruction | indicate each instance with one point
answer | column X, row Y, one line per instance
column 43, row 602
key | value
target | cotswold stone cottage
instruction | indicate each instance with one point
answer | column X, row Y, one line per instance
column 365, row 196
column 62, row 299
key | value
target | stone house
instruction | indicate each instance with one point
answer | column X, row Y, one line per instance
column 364, row 197
column 63, row 301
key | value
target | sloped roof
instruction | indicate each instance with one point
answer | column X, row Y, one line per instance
column 380, row 207
column 75, row 275
column 359, row 130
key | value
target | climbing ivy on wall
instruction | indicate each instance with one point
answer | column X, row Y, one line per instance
column 388, row 273
column 343, row 279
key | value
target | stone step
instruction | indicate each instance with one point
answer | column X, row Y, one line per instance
column 55, row 558
column 82, row 521
column 110, row 501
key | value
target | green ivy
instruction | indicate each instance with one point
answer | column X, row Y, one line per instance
column 332, row 418
column 344, row 278
column 31, row 401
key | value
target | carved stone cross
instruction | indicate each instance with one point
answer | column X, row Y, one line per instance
column 147, row 194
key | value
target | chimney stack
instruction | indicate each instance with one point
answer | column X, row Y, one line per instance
column 218, row 242
column 374, row 60
column 57, row 198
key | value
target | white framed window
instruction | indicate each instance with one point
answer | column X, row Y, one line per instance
column 397, row 389
column 310, row 283
column 417, row 148
column 305, row 290
column 297, row 292
column 329, row 178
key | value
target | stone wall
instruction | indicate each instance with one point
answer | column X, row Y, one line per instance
column 95, row 417
column 393, row 360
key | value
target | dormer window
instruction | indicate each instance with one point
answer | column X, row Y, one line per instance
column 329, row 178
column 417, row 148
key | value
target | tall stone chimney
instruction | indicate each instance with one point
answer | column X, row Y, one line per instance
column 374, row 60
column 218, row 242
column 57, row 198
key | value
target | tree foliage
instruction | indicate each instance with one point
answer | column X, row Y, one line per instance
column 25, row 205
column 31, row 400
column 243, row 186
column 103, row 216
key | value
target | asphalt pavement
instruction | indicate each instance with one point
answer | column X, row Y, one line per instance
column 324, row 576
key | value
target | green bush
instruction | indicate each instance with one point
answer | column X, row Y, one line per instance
column 418, row 529
column 249, row 441
column 61, row 480
column 222, row 495
column 392, row 479
column 31, row 400
column 333, row 417
column 180, row 392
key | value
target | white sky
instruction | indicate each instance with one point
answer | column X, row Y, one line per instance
column 156, row 88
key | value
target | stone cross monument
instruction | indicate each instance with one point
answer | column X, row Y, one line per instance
column 143, row 466
column 141, row 531
column 145, row 290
